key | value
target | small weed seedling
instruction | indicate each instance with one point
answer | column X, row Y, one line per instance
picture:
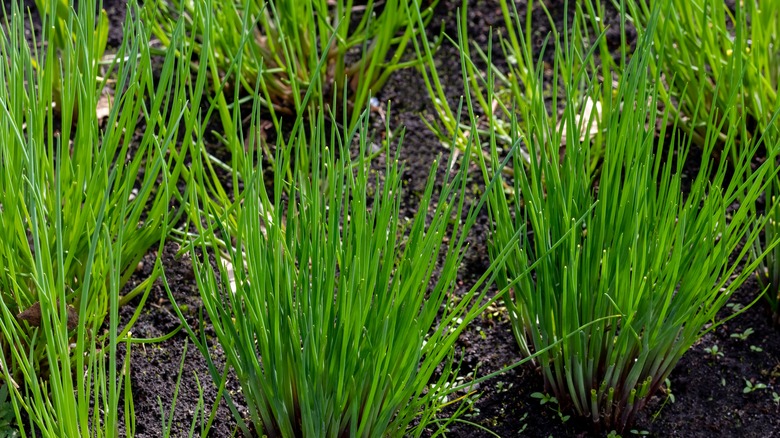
column 544, row 398
column 735, row 307
column 714, row 351
column 667, row 389
column 752, row 387
column 744, row 335
column 549, row 400
column 502, row 387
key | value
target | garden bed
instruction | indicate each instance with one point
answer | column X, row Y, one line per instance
column 708, row 392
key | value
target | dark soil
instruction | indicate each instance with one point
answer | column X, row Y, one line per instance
column 705, row 397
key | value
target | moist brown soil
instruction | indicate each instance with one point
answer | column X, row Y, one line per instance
column 705, row 396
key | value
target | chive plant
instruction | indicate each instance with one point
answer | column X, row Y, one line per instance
column 324, row 300
column 515, row 83
column 283, row 41
column 768, row 273
column 662, row 260
column 81, row 204
column 58, row 33
column 710, row 50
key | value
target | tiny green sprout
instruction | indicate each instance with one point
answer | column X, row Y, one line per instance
column 667, row 389
column 752, row 387
column 744, row 335
column 669, row 394
column 776, row 398
column 544, row 398
column 756, row 349
column 524, row 424
column 502, row 387
column 639, row 432
column 473, row 410
column 722, row 381
column 735, row 307
column 714, row 351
